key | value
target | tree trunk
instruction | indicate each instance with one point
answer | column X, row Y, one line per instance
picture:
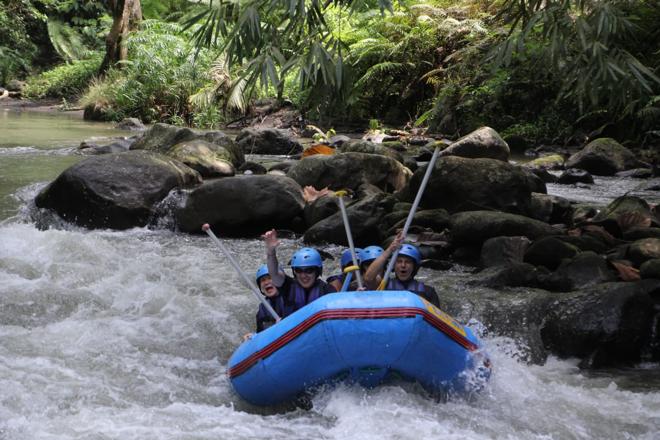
column 126, row 15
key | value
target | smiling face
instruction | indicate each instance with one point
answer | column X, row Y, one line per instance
column 306, row 276
column 267, row 287
column 404, row 267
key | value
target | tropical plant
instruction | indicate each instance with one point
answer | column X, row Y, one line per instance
column 159, row 78
column 65, row 80
column 593, row 45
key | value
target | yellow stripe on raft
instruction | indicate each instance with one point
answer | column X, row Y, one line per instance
column 442, row 316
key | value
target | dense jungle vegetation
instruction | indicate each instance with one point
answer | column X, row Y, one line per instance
column 553, row 71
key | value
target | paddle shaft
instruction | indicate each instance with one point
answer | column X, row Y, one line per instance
column 349, row 237
column 411, row 214
column 248, row 282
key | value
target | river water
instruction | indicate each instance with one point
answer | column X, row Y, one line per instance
column 126, row 335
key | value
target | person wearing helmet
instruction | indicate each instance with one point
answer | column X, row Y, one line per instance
column 367, row 256
column 306, row 285
column 337, row 280
column 406, row 266
column 272, row 294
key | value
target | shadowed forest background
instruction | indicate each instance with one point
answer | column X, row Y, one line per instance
column 539, row 72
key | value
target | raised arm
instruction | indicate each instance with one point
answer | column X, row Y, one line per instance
column 271, row 242
column 373, row 275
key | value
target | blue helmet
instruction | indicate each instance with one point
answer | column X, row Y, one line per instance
column 307, row 257
column 411, row 251
column 347, row 258
column 370, row 253
column 262, row 271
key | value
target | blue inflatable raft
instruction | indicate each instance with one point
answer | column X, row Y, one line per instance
column 362, row 337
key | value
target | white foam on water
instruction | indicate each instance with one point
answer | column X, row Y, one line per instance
column 126, row 335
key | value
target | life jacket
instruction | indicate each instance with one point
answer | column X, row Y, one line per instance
column 264, row 318
column 298, row 297
column 413, row 286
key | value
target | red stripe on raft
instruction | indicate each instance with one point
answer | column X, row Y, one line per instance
column 386, row 313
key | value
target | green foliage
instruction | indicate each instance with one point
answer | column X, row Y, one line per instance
column 158, row 80
column 66, row 41
column 64, row 80
column 593, row 46
column 17, row 51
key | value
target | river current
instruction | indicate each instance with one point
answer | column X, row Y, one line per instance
column 126, row 335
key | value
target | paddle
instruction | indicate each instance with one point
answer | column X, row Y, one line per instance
column 411, row 214
column 248, row 281
column 340, row 196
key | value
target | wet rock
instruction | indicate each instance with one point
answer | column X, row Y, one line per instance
column 574, row 175
column 350, row 170
column 435, row 219
column 535, row 183
column 585, row 269
column 252, row 168
column 516, row 274
column 130, row 124
column 603, row 157
column 458, row 184
column 162, row 138
column 321, row 208
column 606, row 325
column 117, row 146
column 282, row 166
column 634, row 234
column 650, row 269
column 242, row 205
column 610, row 217
column 117, row 191
column 503, row 251
column 549, row 252
column 545, row 176
column 643, row 250
column 475, row 227
column 208, row 159
column 338, row 140
column 360, row 146
column 637, row 173
column 481, row 143
column 268, row 141
column 550, row 162
column 365, row 217
column 587, row 242
column 551, row 209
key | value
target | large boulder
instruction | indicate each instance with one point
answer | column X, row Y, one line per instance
column 365, row 217
column 361, row 146
column 162, row 138
column 350, row 170
column 550, row 252
column 435, row 219
column 210, row 160
column 475, row 227
column 607, row 324
column 643, row 250
column 117, row 191
column 458, row 184
column 604, row 157
column 481, row 143
column 624, row 213
column 242, row 205
column 549, row 162
column 503, row 251
column 268, row 141
column 585, row 269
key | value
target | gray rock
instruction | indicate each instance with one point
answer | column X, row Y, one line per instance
column 320, row 209
column 481, row 143
column 604, row 157
column 365, row 217
column 434, row 219
column 642, row 250
column 585, row 269
column 131, row 124
column 268, row 141
column 253, row 168
column 117, row 191
column 475, row 227
column 650, row 269
column 361, row 146
column 208, row 159
column 458, row 184
column 242, row 205
column 549, row 252
column 350, row 170
column 607, row 324
column 503, row 251
column 574, row 175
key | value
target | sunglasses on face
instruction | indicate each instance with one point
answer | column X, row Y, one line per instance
column 304, row 270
